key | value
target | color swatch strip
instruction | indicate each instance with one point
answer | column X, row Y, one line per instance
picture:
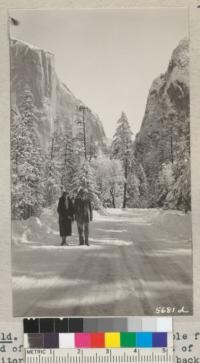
column 88, row 325
column 97, row 340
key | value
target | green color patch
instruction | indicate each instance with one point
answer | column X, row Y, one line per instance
column 127, row 340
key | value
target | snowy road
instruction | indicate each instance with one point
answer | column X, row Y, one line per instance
column 138, row 260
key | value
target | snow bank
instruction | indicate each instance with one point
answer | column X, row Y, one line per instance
column 175, row 221
column 45, row 231
column 37, row 230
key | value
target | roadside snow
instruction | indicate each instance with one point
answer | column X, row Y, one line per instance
column 43, row 232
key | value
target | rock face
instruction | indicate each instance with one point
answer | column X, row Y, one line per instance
column 166, row 118
column 57, row 106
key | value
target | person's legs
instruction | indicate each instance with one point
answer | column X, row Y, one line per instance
column 86, row 233
column 63, row 241
column 80, row 232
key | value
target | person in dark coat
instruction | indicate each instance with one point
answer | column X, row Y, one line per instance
column 66, row 216
column 83, row 215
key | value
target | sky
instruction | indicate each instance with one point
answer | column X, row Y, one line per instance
column 108, row 58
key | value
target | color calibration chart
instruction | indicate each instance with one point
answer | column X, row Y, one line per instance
column 92, row 340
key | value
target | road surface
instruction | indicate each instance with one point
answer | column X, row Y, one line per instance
column 138, row 260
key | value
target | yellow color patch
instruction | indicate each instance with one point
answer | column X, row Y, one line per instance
column 112, row 340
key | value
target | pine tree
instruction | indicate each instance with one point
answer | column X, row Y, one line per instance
column 179, row 195
column 164, row 183
column 85, row 177
column 67, row 158
column 81, row 134
column 16, row 185
column 30, row 160
column 137, row 185
column 173, row 184
column 53, row 176
column 122, row 147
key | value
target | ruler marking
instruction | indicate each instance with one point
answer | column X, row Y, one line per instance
column 99, row 356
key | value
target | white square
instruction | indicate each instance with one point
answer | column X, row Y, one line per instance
column 164, row 325
column 149, row 324
column 66, row 340
column 26, row 343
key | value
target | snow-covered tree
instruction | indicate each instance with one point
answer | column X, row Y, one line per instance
column 68, row 158
column 110, row 180
column 137, row 185
column 84, row 177
column 29, row 175
column 122, row 148
column 179, row 196
column 53, row 175
column 16, row 185
column 164, row 183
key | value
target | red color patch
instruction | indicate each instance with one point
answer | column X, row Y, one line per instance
column 97, row 340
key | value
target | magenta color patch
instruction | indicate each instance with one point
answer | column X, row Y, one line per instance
column 82, row 340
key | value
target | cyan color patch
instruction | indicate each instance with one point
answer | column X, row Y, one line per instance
column 144, row 340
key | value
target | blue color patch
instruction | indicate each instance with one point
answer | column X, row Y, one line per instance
column 159, row 340
column 144, row 340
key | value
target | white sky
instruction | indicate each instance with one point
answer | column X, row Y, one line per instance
column 108, row 58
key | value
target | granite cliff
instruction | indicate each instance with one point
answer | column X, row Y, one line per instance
column 164, row 132
column 56, row 104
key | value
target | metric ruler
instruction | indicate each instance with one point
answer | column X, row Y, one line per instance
column 127, row 355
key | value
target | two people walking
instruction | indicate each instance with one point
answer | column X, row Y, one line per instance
column 80, row 210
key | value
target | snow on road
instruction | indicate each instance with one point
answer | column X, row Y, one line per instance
column 138, row 260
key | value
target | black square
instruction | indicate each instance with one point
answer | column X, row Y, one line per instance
column 31, row 325
column 61, row 325
column 46, row 325
column 76, row 325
